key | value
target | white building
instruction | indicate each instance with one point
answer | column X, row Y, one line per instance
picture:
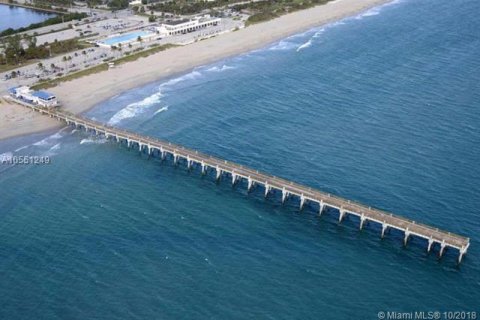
column 184, row 26
column 41, row 98
column 135, row 3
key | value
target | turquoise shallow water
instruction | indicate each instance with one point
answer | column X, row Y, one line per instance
column 16, row 17
column 381, row 108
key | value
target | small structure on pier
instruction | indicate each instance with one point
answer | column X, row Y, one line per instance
column 41, row 98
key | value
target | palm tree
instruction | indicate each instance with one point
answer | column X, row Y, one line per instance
column 84, row 56
column 114, row 50
column 64, row 59
column 139, row 39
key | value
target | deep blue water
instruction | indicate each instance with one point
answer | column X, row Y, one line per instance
column 17, row 17
column 382, row 108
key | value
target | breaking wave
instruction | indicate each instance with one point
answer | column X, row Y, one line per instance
column 283, row 45
column 305, row 45
column 189, row 76
column 161, row 110
column 135, row 108
column 51, row 151
column 370, row 12
column 220, row 69
column 21, row 148
column 49, row 140
column 318, row 33
column 93, row 140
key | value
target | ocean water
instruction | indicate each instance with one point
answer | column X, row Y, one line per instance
column 382, row 108
column 17, row 17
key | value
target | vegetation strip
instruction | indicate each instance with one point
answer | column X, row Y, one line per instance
column 101, row 67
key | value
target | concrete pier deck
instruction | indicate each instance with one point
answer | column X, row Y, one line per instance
column 434, row 236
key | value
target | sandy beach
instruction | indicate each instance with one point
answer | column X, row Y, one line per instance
column 16, row 120
column 84, row 93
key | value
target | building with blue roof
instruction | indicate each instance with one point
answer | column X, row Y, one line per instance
column 42, row 98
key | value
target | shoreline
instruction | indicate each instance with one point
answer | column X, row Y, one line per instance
column 179, row 60
column 20, row 5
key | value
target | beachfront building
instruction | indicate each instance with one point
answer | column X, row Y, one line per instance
column 187, row 25
column 133, row 3
column 41, row 98
column 127, row 38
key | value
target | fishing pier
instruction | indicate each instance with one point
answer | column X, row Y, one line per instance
column 235, row 172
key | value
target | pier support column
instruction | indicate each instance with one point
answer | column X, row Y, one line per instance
column 384, row 228
column 362, row 221
column 462, row 253
column 284, row 195
column 234, row 178
column 250, row 184
column 321, row 207
column 442, row 248
column 129, row 143
column 140, row 147
column 162, row 154
column 175, row 158
column 302, row 201
column 342, row 214
column 267, row 189
column 430, row 243
column 219, row 173
column 189, row 163
column 149, row 150
column 407, row 235
column 204, row 169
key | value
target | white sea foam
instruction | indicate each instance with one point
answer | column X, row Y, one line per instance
column 283, row 45
column 135, row 108
column 50, row 139
column 51, row 151
column 220, row 69
column 189, row 76
column 161, row 110
column 55, row 147
column 305, row 45
column 318, row 33
column 93, row 140
column 42, row 142
column 21, row 148
column 370, row 12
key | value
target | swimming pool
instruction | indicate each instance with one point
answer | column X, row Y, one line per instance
column 127, row 37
